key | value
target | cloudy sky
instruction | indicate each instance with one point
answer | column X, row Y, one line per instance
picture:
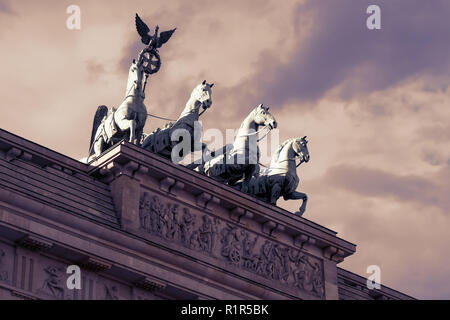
column 375, row 104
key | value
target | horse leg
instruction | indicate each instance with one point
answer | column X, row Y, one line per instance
column 98, row 146
column 132, row 130
column 248, row 174
column 296, row 196
column 275, row 192
column 139, row 133
column 124, row 124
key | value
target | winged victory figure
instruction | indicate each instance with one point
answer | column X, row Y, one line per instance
column 154, row 40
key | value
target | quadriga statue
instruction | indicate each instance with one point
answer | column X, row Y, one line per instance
column 162, row 141
column 281, row 179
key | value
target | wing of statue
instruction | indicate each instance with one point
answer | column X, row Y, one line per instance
column 143, row 30
column 102, row 112
column 165, row 36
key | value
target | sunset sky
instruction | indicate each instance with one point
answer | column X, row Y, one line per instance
column 375, row 104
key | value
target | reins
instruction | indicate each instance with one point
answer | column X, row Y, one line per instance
column 256, row 132
column 294, row 159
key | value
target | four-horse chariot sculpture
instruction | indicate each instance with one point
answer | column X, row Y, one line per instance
column 236, row 165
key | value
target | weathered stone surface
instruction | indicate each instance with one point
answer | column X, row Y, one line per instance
column 142, row 227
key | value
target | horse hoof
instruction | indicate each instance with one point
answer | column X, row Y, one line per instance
column 299, row 213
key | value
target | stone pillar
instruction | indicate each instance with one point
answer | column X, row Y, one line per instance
column 332, row 257
column 125, row 191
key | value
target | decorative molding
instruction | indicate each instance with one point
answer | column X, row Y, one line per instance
column 268, row 227
column 26, row 156
column 34, row 243
column 166, row 183
column 300, row 240
column 114, row 169
column 202, row 199
column 237, row 213
column 240, row 215
column 22, row 295
column 150, row 284
column 211, row 203
column 177, row 187
column 333, row 254
column 170, row 185
column 12, row 154
column 95, row 264
column 141, row 172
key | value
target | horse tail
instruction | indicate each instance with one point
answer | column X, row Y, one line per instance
column 100, row 114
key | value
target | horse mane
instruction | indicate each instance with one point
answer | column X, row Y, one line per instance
column 280, row 147
column 251, row 113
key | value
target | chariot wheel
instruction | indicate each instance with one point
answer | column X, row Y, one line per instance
column 151, row 61
column 235, row 255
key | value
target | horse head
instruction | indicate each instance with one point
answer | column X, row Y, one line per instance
column 135, row 75
column 202, row 94
column 262, row 116
column 301, row 149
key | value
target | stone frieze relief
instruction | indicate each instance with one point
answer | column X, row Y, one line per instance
column 225, row 241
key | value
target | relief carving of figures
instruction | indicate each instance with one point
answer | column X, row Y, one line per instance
column 53, row 283
column 232, row 238
column 307, row 275
column 272, row 260
column 172, row 223
column 3, row 273
column 265, row 258
column 186, row 225
column 111, row 292
column 152, row 214
column 167, row 221
column 207, row 234
column 251, row 261
column 282, row 263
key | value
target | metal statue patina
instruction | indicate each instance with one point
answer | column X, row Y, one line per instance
column 128, row 120
column 153, row 42
column 235, row 164
column 281, row 179
column 160, row 141
column 238, row 162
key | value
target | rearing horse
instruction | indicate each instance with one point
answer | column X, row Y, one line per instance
column 240, row 162
column 128, row 120
column 160, row 141
column 281, row 179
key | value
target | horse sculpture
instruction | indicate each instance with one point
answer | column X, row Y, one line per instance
column 161, row 140
column 281, row 179
column 128, row 120
column 239, row 161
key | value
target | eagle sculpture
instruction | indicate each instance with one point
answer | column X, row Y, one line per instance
column 152, row 40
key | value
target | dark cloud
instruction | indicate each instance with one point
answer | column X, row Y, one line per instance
column 436, row 132
column 5, row 7
column 131, row 49
column 95, row 69
column 341, row 51
column 433, row 190
column 432, row 157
